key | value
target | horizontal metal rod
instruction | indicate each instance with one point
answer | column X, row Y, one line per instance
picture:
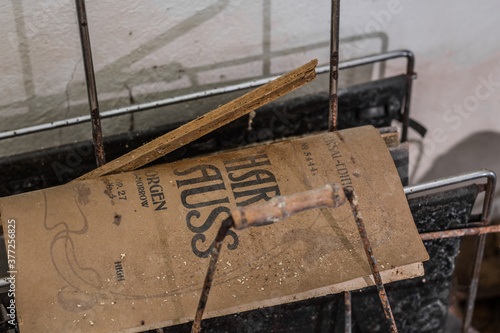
column 460, row 232
column 461, row 178
column 347, row 312
column 197, row 95
column 448, row 181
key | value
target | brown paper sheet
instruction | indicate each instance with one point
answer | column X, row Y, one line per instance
column 129, row 251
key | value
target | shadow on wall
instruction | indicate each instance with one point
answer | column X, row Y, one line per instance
column 478, row 151
column 117, row 76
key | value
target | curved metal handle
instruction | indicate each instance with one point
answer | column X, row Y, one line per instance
column 278, row 208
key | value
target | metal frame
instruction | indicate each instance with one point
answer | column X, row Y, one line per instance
column 367, row 60
column 481, row 229
column 489, row 189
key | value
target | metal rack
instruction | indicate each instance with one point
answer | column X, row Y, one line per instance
column 479, row 227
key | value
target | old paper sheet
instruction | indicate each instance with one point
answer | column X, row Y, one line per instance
column 129, row 251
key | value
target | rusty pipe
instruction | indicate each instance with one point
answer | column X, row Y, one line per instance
column 91, row 83
column 278, row 208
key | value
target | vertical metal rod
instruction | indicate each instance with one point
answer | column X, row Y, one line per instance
column 91, row 86
column 409, row 81
column 353, row 200
column 481, row 241
column 347, row 312
column 207, row 284
column 334, row 66
column 478, row 259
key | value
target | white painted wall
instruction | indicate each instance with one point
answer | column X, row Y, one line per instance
column 154, row 49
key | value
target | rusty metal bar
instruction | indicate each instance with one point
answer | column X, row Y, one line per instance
column 353, row 200
column 91, row 85
column 460, row 232
column 347, row 312
column 410, row 75
column 334, row 66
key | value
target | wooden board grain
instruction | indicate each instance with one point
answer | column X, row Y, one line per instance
column 208, row 122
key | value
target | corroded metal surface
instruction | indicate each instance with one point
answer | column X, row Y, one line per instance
column 353, row 200
column 214, row 256
column 460, row 232
column 334, row 66
column 91, row 85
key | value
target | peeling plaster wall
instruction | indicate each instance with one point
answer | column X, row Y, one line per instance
column 155, row 49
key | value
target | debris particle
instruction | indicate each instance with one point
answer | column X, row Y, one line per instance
column 117, row 220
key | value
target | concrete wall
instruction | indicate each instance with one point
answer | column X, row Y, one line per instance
column 152, row 49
